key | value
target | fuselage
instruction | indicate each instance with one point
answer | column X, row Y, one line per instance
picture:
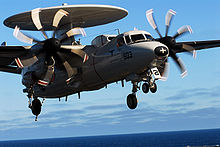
column 111, row 62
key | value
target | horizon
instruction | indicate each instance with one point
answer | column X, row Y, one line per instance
column 179, row 131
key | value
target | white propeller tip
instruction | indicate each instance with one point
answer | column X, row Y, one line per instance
column 190, row 29
column 58, row 16
column 16, row 30
column 184, row 74
column 83, row 32
column 163, row 78
column 172, row 12
column 64, row 12
column 86, row 57
column 148, row 12
column 194, row 54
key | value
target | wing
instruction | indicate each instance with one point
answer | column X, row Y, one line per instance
column 197, row 45
column 8, row 55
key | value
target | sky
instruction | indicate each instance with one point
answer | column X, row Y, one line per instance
column 179, row 104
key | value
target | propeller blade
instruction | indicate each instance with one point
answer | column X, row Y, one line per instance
column 76, row 31
column 26, row 61
column 69, row 69
column 78, row 52
column 73, row 32
column 189, row 49
column 168, row 19
column 180, row 64
column 165, row 73
column 49, row 74
column 82, row 54
column 183, row 30
column 151, row 21
column 58, row 16
column 35, row 15
column 23, row 38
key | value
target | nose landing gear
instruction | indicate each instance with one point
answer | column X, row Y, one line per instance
column 153, row 88
column 149, row 84
column 145, row 87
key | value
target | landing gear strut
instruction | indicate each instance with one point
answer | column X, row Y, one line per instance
column 150, row 81
column 131, row 98
column 34, row 105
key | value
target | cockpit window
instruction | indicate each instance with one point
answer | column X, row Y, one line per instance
column 110, row 38
column 120, row 41
column 137, row 37
column 128, row 40
column 149, row 37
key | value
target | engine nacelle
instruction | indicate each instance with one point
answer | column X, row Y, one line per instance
column 102, row 40
column 31, row 74
column 28, row 79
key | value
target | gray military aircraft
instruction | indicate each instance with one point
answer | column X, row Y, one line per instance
column 60, row 66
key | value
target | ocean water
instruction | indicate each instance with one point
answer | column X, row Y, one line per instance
column 197, row 138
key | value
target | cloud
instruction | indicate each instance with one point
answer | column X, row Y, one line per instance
column 103, row 107
column 196, row 93
column 117, row 114
column 174, row 105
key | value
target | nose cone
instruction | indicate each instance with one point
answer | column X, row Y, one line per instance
column 161, row 51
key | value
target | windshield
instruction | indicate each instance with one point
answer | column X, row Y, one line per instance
column 137, row 37
column 128, row 40
column 149, row 37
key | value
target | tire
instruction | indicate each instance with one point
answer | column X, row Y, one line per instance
column 154, row 88
column 36, row 107
column 145, row 88
column 131, row 101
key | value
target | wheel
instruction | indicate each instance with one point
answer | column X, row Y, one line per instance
column 145, row 88
column 36, row 107
column 153, row 89
column 131, row 101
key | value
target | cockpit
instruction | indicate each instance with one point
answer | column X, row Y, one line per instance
column 123, row 39
column 133, row 37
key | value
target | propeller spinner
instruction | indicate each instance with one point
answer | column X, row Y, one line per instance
column 51, row 48
column 170, row 41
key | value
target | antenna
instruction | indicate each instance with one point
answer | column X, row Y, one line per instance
column 64, row 4
column 118, row 31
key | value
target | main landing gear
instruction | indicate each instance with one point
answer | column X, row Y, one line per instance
column 35, row 105
column 131, row 98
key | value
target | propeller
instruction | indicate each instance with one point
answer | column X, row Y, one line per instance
column 50, row 48
column 170, row 41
